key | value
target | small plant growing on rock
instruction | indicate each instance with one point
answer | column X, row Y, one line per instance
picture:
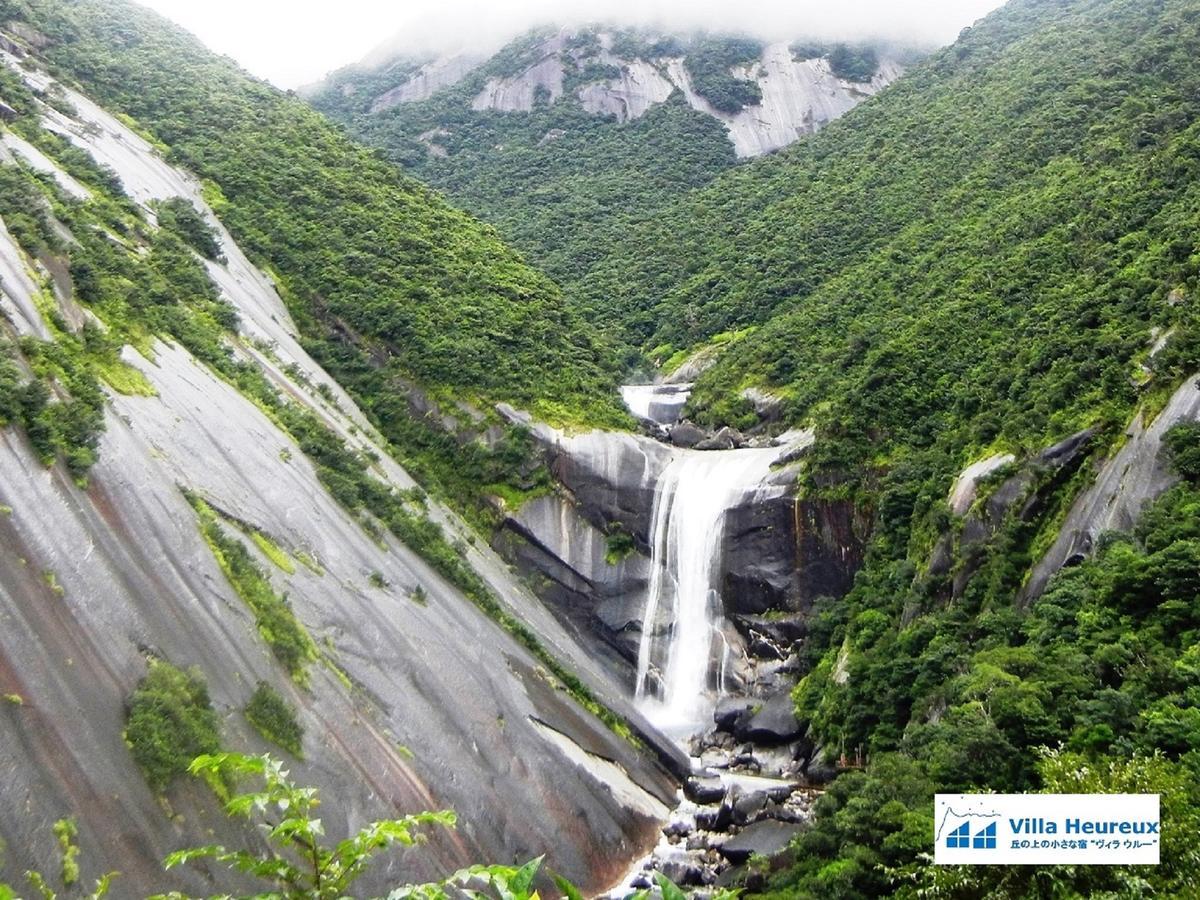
column 275, row 719
column 170, row 722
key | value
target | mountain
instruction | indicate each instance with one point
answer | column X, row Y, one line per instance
column 568, row 131
column 206, row 542
column 931, row 520
column 978, row 289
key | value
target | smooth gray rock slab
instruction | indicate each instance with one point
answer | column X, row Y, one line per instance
column 765, row 838
column 685, row 434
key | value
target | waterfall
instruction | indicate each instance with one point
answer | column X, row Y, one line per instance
column 688, row 525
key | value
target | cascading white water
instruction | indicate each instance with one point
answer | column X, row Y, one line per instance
column 693, row 495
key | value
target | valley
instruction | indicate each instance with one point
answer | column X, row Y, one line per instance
column 782, row 432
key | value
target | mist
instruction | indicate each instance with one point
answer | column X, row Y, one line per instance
column 295, row 42
column 441, row 26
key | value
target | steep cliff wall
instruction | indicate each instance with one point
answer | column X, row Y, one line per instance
column 798, row 95
column 589, row 545
column 423, row 701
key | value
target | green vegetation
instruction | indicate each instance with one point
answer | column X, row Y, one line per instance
column 275, row 719
column 1104, row 662
column 873, row 828
column 364, row 255
column 559, row 182
column 710, row 63
column 66, row 832
column 170, row 721
column 1183, row 443
column 296, row 862
column 184, row 220
column 934, row 267
column 620, row 545
column 276, row 621
column 272, row 551
column 852, row 62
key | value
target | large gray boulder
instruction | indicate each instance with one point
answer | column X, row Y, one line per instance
column 774, row 723
column 765, row 838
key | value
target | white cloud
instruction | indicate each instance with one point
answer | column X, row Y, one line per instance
column 292, row 42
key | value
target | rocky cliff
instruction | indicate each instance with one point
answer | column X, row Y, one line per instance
column 589, row 545
column 605, row 74
column 417, row 699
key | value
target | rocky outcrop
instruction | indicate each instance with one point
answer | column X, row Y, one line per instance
column 599, row 596
column 659, row 404
column 541, row 82
column 962, row 495
column 785, row 551
column 428, row 80
column 765, row 838
column 1133, row 477
column 1018, row 504
column 640, row 86
column 799, row 96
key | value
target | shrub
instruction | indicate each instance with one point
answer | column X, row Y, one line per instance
column 170, row 722
column 275, row 719
column 1183, row 443
column 181, row 217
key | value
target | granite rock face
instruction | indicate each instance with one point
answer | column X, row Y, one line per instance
column 778, row 554
column 1134, row 476
column 799, row 96
column 94, row 581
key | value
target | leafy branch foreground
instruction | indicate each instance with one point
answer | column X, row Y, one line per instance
column 298, row 865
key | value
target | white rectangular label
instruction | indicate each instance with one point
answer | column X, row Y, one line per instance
column 1046, row 829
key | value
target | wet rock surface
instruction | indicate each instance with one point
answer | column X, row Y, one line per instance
column 725, row 816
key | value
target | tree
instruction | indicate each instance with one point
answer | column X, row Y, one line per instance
column 296, row 863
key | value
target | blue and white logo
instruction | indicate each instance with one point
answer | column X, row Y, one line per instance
column 971, row 826
column 984, row 839
column 1041, row 829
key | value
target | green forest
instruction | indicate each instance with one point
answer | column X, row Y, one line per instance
column 360, row 248
column 977, row 261
column 559, row 182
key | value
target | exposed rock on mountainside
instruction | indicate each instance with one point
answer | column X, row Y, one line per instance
column 589, row 546
column 427, row 81
column 97, row 579
column 609, row 74
column 1124, row 485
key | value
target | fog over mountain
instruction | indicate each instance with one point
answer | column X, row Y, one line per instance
column 292, row 43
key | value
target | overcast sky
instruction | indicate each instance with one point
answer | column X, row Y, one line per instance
column 293, row 42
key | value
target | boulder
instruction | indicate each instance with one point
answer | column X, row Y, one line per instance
column 767, row 406
column 774, row 723
column 704, row 790
column 731, row 710
column 747, row 806
column 779, row 628
column 716, row 819
column 680, row 828
column 684, row 872
column 765, row 838
column 685, row 434
column 716, row 442
column 735, row 437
